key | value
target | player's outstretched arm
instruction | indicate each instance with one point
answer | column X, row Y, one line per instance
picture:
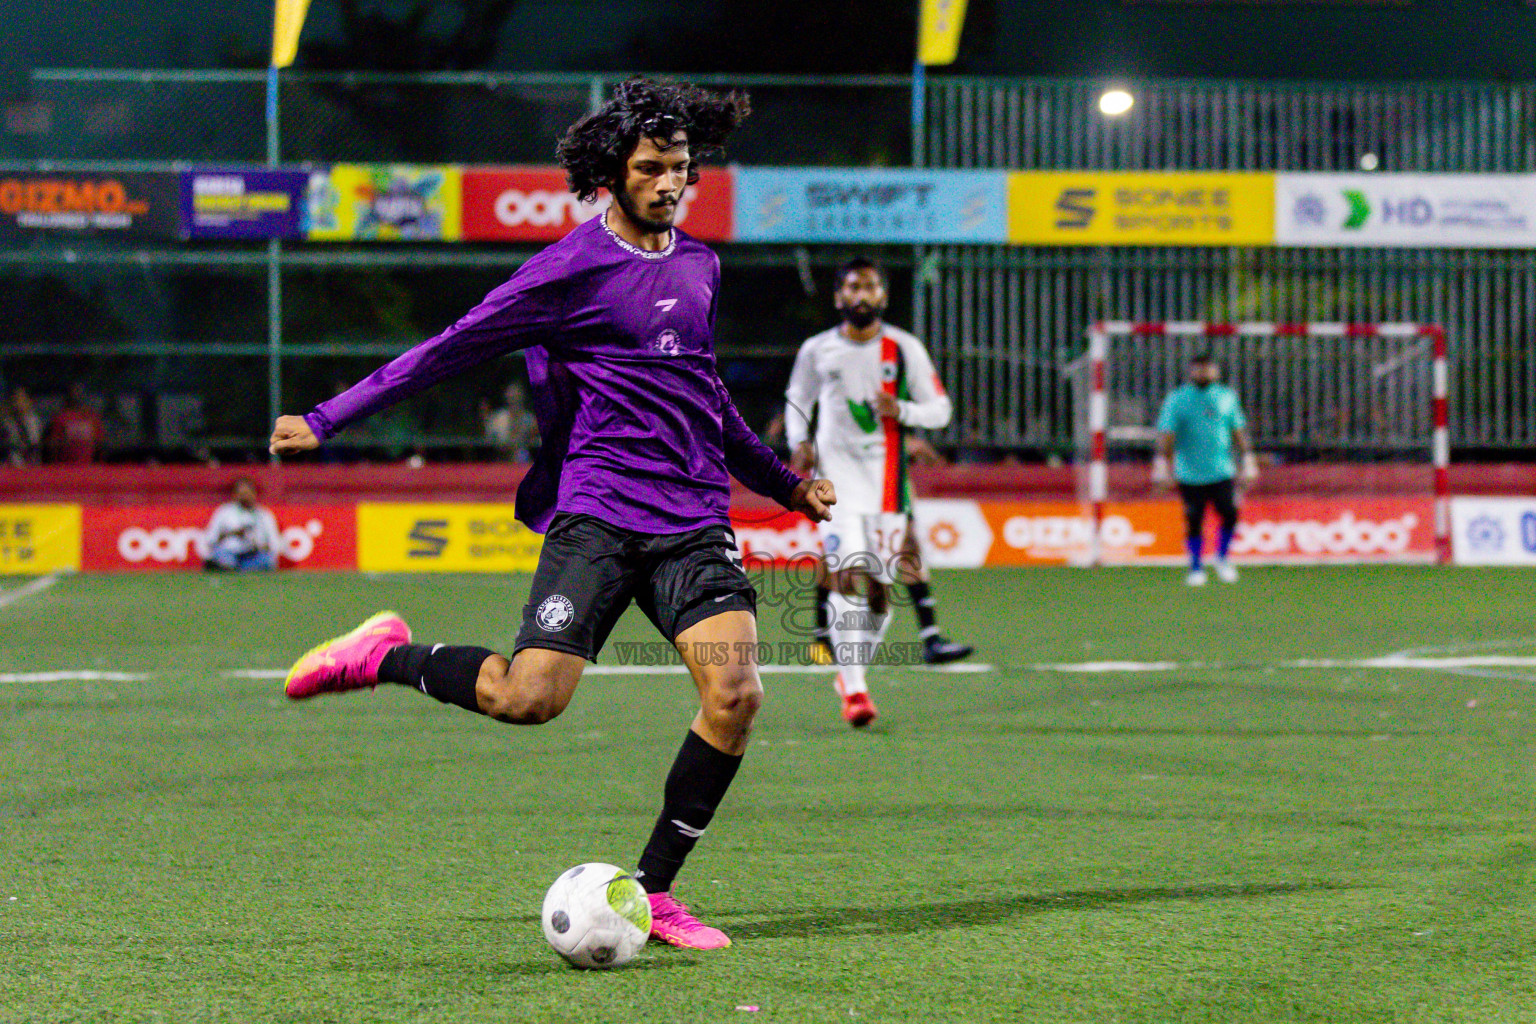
column 524, row 311
column 290, row 435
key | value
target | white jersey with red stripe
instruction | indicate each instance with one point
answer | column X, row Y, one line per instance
column 861, row 452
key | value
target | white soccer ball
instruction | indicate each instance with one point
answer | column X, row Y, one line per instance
column 596, row 916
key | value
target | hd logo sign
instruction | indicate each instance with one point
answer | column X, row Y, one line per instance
column 443, row 538
column 1114, row 208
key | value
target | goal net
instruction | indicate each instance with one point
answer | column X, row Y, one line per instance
column 1348, row 420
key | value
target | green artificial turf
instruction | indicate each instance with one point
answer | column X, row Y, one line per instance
column 1242, row 840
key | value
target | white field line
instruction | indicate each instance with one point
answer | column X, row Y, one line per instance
column 26, row 590
column 1387, row 661
column 73, row 676
column 1391, row 661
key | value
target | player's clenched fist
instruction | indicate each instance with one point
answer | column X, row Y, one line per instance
column 291, row 434
column 815, row 498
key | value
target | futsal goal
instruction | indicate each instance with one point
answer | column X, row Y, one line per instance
column 1349, row 421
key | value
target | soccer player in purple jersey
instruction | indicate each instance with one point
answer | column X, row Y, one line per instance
column 630, row 486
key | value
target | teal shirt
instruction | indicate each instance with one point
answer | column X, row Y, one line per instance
column 1201, row 421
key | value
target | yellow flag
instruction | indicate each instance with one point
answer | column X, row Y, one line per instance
column 939, row 33
column 287, row 23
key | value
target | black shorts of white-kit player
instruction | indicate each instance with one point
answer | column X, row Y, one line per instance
column 590, row 570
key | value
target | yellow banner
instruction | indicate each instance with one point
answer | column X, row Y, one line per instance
column 287, row 23
column 938, row 39
column 386, row 203
column 38, row 539
column 1141, row 208
column 443, row 538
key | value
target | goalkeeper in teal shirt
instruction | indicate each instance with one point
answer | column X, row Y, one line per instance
column 1203, row 433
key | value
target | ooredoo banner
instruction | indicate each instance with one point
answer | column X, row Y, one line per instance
column 168, row 537
column 535, row 204
column 961, row 533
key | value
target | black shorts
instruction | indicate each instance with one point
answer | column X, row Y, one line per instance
column 1221, row 495
column 589, row 571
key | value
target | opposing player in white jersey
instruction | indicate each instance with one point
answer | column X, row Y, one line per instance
column 868, row 381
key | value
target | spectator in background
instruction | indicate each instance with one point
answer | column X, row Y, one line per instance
column 242, row 535
column 512, row 427
column 23, row 429
column 76, row 431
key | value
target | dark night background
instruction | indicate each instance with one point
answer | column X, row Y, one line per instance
column 774, row 297
column 1367, row 39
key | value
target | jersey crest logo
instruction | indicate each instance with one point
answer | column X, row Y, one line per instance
column 668, row 343
column 863, row 414
column 555, row 613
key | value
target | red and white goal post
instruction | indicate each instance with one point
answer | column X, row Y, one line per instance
column 1306, row 373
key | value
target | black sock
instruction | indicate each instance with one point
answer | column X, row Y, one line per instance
column 695, row 786
column 922, row 603
column 823, row 612
column 447, row 673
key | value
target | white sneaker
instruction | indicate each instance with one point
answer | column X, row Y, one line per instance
column 1195, row 579
column 1226, row 571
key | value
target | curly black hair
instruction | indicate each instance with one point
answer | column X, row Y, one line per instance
column 595, row 150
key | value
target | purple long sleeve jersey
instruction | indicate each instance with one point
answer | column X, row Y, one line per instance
column 637, row 428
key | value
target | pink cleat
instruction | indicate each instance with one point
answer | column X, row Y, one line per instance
column 350, row 661
column 671, row 922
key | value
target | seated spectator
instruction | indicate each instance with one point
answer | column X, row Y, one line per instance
column 242, row 535
column 23, row 429
column 75, row 432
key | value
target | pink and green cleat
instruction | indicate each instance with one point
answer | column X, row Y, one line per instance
column 672, row 923
column 348, row 662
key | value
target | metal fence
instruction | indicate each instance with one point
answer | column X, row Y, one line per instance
column 1006, row 324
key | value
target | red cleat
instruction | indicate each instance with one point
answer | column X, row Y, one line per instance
column 858, row 709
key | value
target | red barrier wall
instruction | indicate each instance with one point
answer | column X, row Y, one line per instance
column 333, row 485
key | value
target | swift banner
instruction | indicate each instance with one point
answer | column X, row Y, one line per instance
column 1486, row 211
column 535, row 204
column 137, row 204
column 243, row 203
column 1135, row 208
column 384, row 203
column 798, row 204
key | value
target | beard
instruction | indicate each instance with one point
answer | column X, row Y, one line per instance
column 861, row 316
column 656, row 219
